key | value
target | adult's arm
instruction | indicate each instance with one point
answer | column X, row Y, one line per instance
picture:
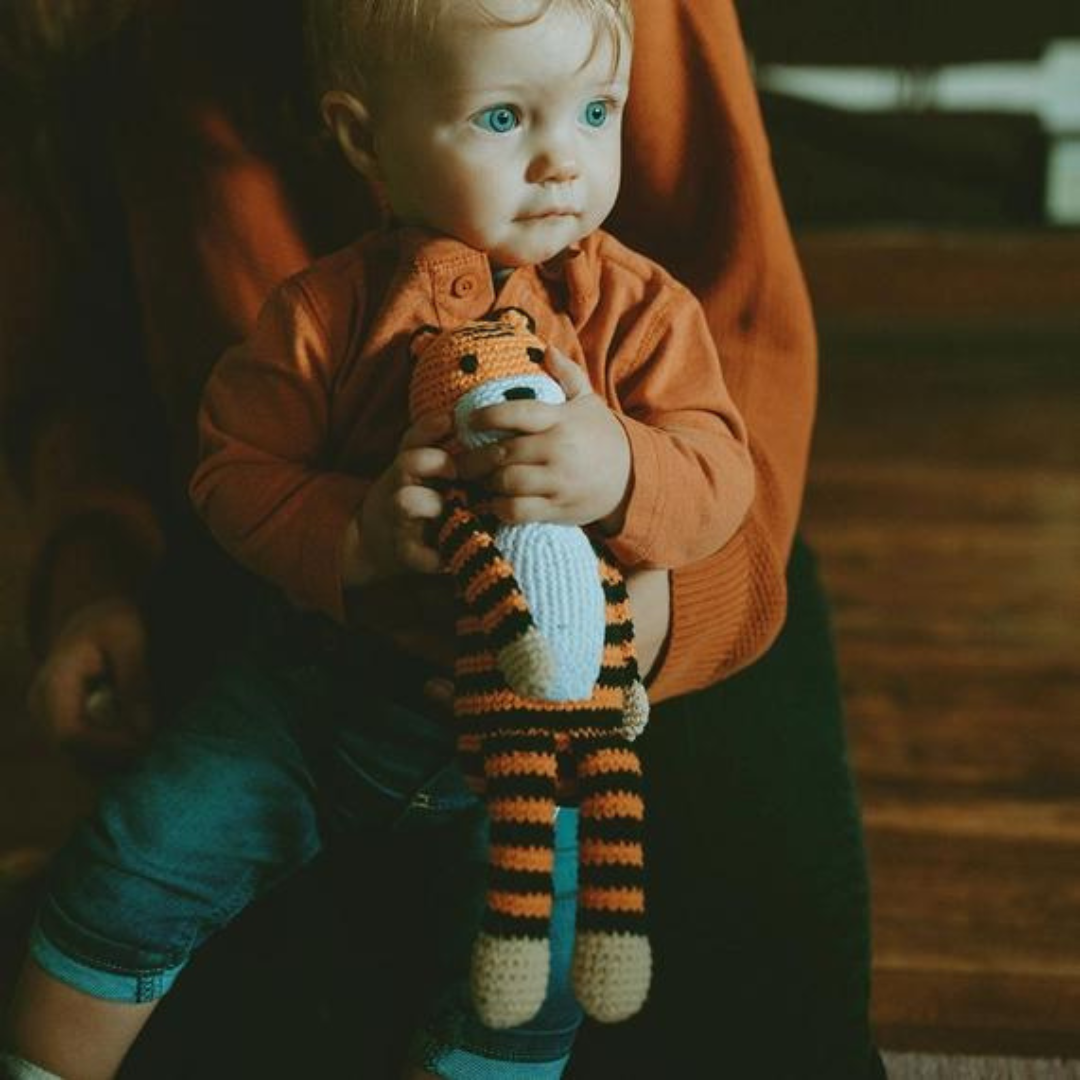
column 74, row 409
column 142, row 233
column 699, row 196
column 144, row 242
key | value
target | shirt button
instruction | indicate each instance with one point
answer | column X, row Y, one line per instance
column 464, row 286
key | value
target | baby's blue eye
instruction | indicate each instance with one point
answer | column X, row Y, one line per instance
column 499, row 118
column 595, row 113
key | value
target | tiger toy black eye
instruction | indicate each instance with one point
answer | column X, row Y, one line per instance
column 535, row 355
column 469, row 363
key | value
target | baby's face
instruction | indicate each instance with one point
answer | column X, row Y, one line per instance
column 509, row 138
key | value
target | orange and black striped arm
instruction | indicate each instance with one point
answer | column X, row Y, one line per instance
column 485, row 579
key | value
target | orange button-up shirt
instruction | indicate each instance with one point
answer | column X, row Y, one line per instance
column 298, row 421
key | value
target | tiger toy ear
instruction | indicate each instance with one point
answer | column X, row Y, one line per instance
column 421, row 339
column 515, row 317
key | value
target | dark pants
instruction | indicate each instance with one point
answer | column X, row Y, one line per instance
column 758, row 900
column 758, row 888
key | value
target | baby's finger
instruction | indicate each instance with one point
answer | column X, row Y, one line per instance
column 415, row 555
column 478, row 463
column 522, row 450
column 428, row 431
column 523, row 417
column 522, row 480
column 417, row 501
column 521, row 511
column 571, row 377
column 424, row 463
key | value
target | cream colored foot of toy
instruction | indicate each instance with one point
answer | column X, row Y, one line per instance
column 635, row 711
column 528, row 665
column 611, row 974
column 509, row 979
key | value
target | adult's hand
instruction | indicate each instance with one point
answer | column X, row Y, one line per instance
column 92, row 691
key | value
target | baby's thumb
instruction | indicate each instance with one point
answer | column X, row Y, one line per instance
column 571, row 378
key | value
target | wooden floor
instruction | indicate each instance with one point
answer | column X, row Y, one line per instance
column 945, row 506
column 952, row 1067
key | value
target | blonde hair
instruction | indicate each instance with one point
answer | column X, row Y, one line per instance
column 351, row 42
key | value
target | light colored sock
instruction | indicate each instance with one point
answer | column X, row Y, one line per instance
column 20, row 1069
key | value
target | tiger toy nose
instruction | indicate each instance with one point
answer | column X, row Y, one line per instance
column 520, row 393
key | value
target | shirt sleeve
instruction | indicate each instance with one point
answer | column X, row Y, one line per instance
column 699, row 196
column 692, row 478
column 263, row 484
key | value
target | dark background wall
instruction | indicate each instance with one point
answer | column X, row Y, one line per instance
column 904, row 31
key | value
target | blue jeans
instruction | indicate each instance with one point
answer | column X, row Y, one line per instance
column 297, row 742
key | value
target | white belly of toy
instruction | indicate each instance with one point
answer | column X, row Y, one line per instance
column 558, row 572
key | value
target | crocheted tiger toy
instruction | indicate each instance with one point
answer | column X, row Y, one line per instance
column 546, row 688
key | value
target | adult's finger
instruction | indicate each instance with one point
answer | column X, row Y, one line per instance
column 58, row 693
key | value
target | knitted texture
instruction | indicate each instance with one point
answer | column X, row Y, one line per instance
column 547, row 696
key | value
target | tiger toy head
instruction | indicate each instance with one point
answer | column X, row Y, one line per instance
column 483, row 362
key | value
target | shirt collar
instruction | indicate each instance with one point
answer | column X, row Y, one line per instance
column 460, row 276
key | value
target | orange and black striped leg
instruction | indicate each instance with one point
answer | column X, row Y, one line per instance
column 486, row 584
column 511, row 957
column 620, row 652
column 612, row 959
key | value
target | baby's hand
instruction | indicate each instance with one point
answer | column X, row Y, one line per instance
column 570, row 463
column 388, row 537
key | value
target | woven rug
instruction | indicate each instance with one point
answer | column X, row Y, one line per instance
column 938, row 1067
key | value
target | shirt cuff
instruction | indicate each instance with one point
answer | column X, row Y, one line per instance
column 633, row 543
column 321, row 581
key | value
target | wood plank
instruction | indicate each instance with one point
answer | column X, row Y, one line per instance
column 974, row 1013
column 978, row 1067
column 976, row 921
column 860, row 278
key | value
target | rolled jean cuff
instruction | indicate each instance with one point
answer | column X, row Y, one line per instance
column 452, row 1063
column 130, row 987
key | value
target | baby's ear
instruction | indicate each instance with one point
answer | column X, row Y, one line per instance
column 515, row 317
column 421, row 339
column 349, row 120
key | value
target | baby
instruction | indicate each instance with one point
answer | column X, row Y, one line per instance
column 491, row 130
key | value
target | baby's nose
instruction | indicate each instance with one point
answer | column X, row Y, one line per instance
column 520, row 393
